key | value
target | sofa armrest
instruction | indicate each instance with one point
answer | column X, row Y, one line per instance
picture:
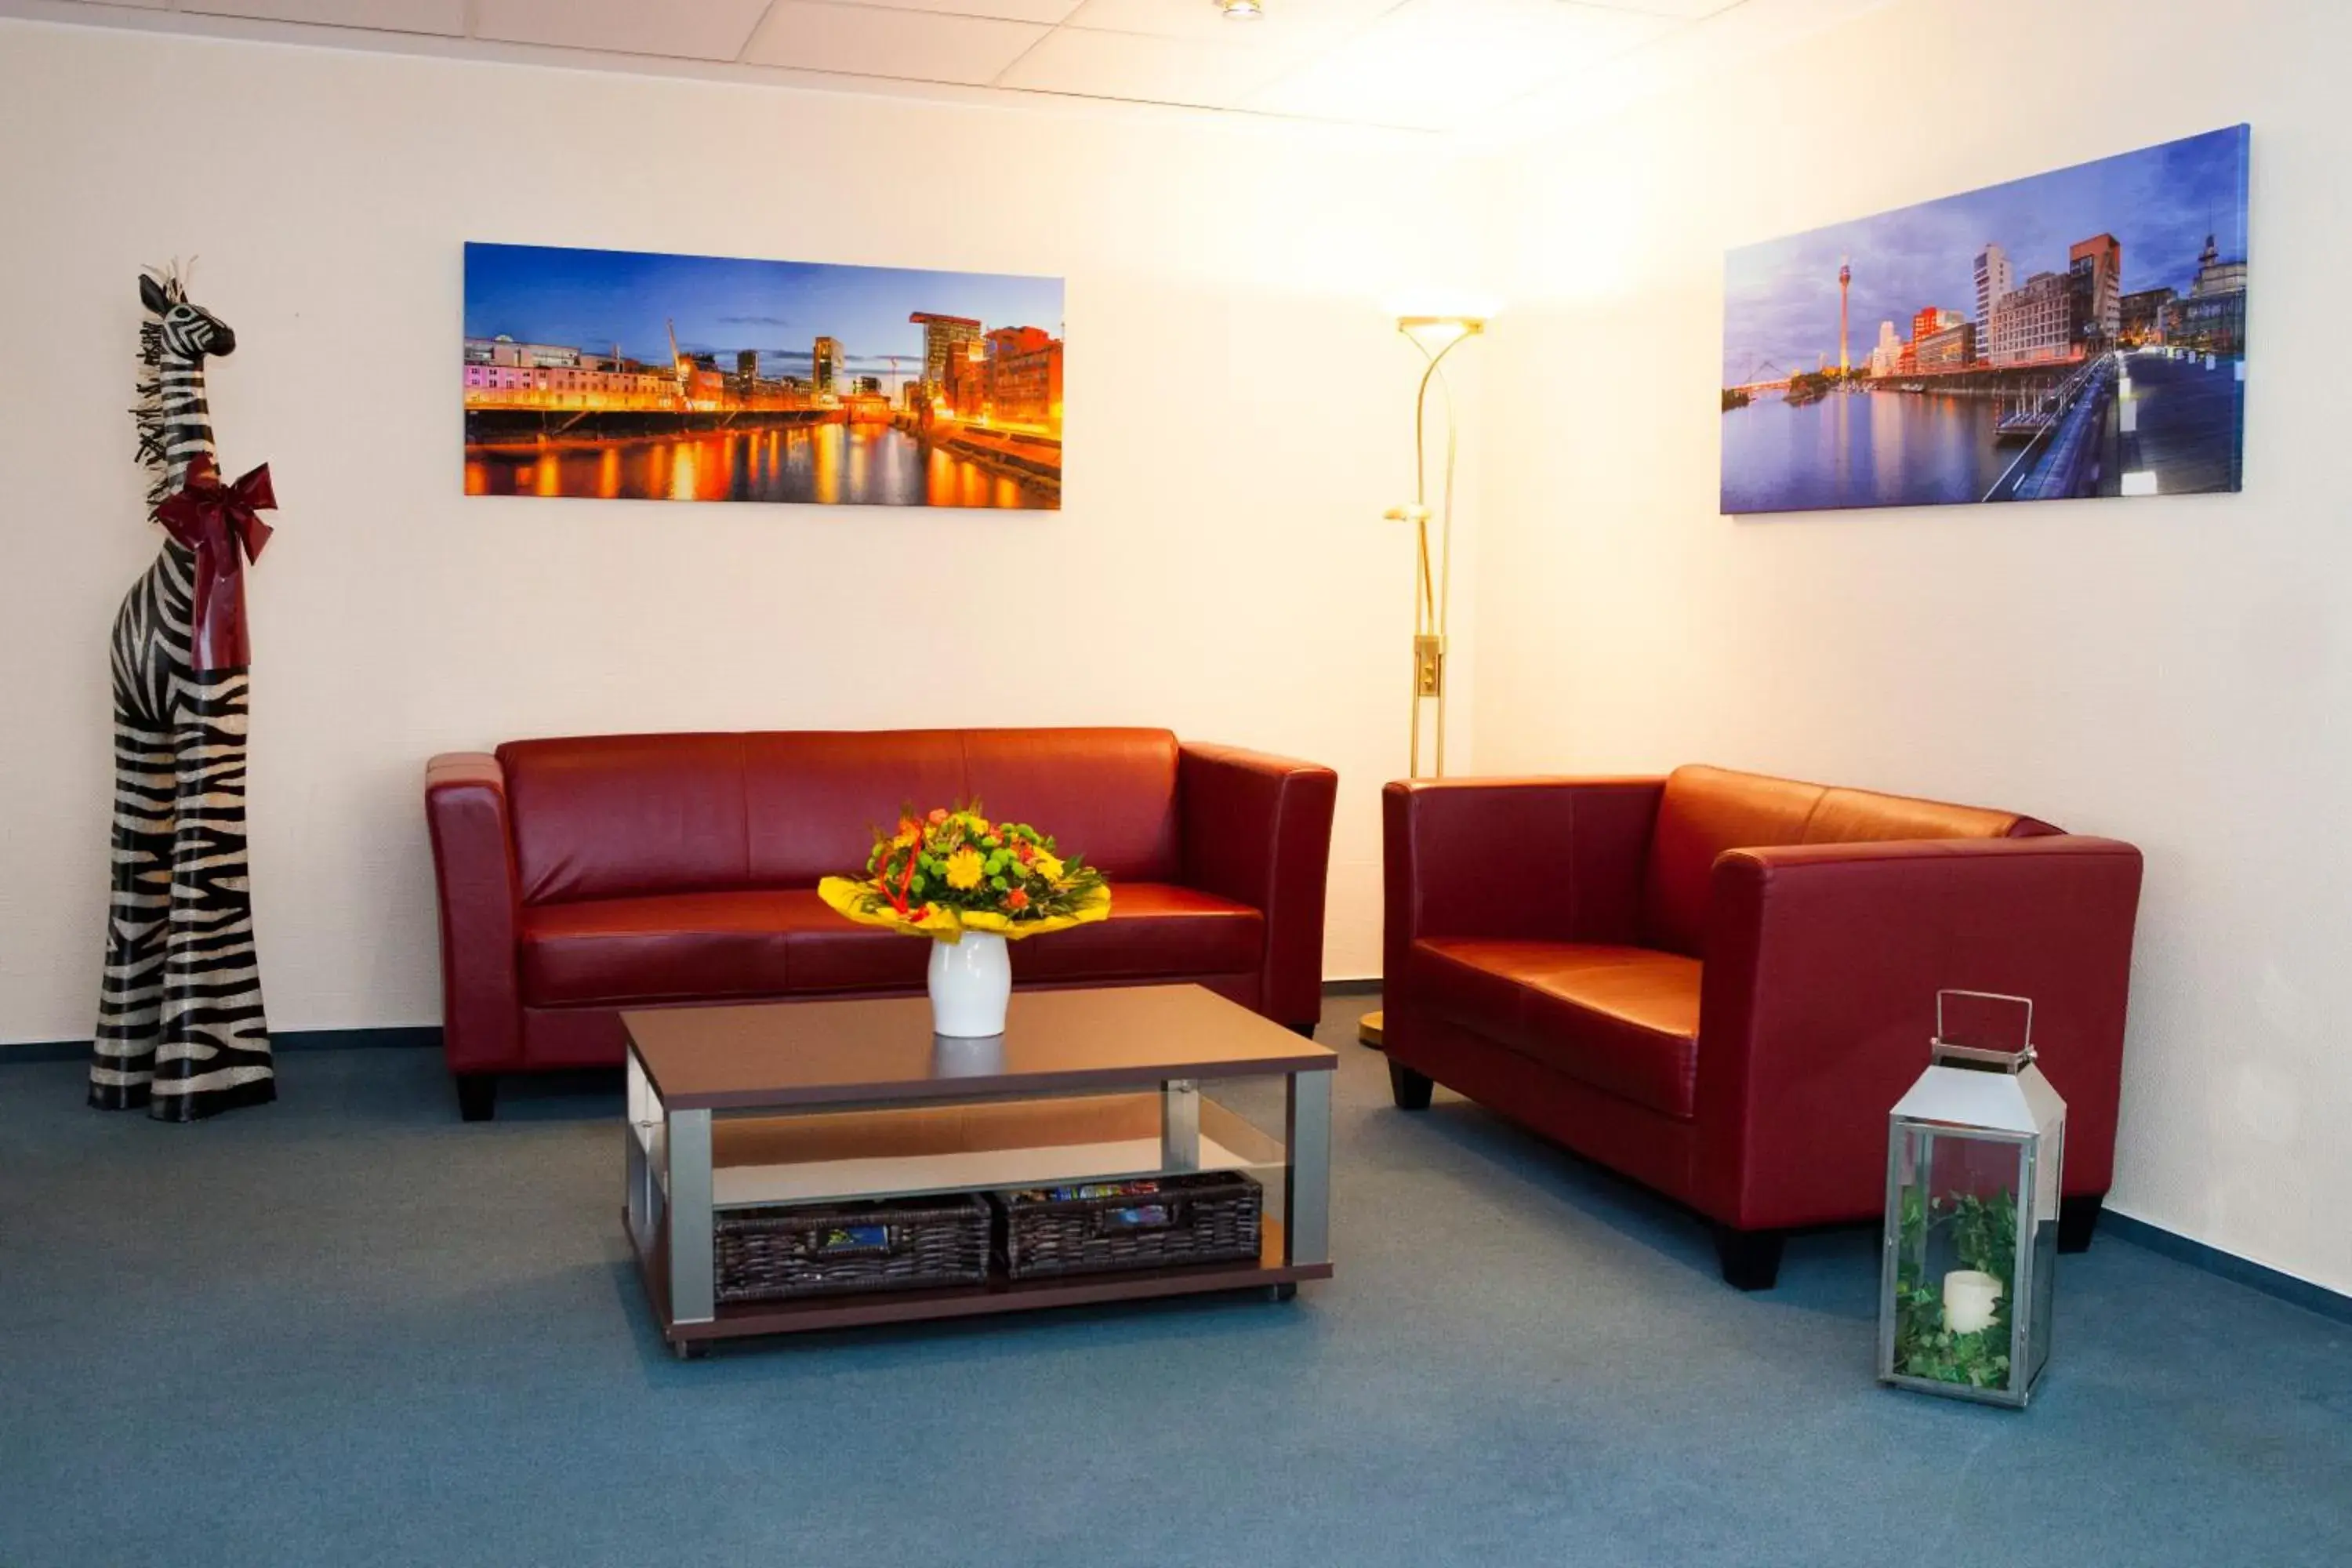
column 473, row 877
column 1554, row 859
column 1257, row 831
column 1819, row 999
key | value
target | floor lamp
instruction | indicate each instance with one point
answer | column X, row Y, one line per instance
column 1435, row 337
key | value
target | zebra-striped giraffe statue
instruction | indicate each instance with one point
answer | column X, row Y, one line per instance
column 180, row 1024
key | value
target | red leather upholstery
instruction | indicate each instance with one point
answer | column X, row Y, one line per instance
column 1824, row 977
column 618, row 816
column 1621, row 1019
column 1704, row 811
column 1256, row 831
column 1118, row 809
column 1755, row 1085
column 666, row 947
column 688, row 947
column 812, row 798
column 580, row 876
column 1155, row 930
column 466, row 810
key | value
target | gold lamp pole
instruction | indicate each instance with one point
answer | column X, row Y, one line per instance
column 1435, row 337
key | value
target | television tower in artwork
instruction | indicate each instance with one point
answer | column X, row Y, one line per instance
column 1845, row 282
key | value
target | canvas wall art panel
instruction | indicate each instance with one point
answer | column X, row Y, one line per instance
column 640, row 376
column 2078, row 333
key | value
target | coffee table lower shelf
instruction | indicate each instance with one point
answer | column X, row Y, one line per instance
column 808, row 1314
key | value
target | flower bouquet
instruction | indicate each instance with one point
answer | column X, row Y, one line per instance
column 969, row 885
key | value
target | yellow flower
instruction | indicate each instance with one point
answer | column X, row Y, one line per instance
column 964, row 867
column 1046, row 866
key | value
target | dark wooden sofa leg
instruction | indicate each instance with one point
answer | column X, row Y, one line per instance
column 1408, row 1088
column 2077, row 1218
column 477, row 1095
column 1750, row 1259
column 1304, row 1031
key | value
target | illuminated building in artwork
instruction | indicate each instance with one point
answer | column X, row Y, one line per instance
column 2216, row 276
column 964, row 392
column 2143, row 316
column 1995, row 278
column 946, row 340
column 1948, row 348
column 507, row 351
column 501, row 372
column 1025, row 378
column 2034, row 324
column 825, row 363
column 1931, row 320
column 2211, row 318
column 1012, row 376
column 2094, row 270
column 1887, row 357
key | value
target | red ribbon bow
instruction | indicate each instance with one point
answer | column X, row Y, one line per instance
column 222, row 524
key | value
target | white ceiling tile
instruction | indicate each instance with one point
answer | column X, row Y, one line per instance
column 681, row 29
column 1144, row 69
column 444, row 16
column 1442, row 63
column 1047, row 11
column 1435, row 64
column 1286, row 22
column 867, row 40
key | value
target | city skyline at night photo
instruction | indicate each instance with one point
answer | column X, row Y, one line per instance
column 2080, row 332
column 638, row 376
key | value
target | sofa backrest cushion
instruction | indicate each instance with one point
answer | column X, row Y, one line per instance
column 1107, row 794
column 600, row 816
column 1706, row 810
column 816, row 795
column 621, row 815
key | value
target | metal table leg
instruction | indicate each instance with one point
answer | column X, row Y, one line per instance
column 692, row 1292
column 1306, row 1170
column 1179, row 1125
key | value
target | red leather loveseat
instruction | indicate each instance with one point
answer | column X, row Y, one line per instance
column 578, row 877
column 1719, row 984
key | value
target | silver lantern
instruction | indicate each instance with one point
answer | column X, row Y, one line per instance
column 1973, row 1157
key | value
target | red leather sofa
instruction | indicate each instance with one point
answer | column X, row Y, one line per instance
column 578, row 877
column 1718, row 983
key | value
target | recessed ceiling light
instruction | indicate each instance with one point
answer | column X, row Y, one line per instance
column 1242, row 10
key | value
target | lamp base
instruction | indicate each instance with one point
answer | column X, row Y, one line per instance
column 1368, row 1030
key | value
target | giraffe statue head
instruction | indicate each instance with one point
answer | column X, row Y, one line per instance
column 188, row 331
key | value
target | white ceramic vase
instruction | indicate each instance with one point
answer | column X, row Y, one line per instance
column 970, row 980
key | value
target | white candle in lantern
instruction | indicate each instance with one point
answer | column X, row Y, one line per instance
column 1969, row 1295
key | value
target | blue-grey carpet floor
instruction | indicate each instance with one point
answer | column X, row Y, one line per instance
column 349, row 1329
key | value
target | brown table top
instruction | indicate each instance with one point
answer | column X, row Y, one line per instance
column 879, row 1050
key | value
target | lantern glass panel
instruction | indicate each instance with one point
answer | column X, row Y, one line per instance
column 1956, row 1258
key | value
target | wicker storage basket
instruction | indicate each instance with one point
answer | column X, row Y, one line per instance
column 899, row 1244
column 1207, row 1218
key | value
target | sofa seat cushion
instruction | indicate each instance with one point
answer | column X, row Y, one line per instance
column 664, row 947
column 782, row 941
column 1623, row 1020
column 1156, row 930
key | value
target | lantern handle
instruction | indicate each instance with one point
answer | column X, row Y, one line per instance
column 2025, row 1055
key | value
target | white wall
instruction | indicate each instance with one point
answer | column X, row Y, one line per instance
column 2170, row 671
column 1238, row 415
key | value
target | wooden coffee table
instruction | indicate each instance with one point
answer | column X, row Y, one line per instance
column 735, row 1107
